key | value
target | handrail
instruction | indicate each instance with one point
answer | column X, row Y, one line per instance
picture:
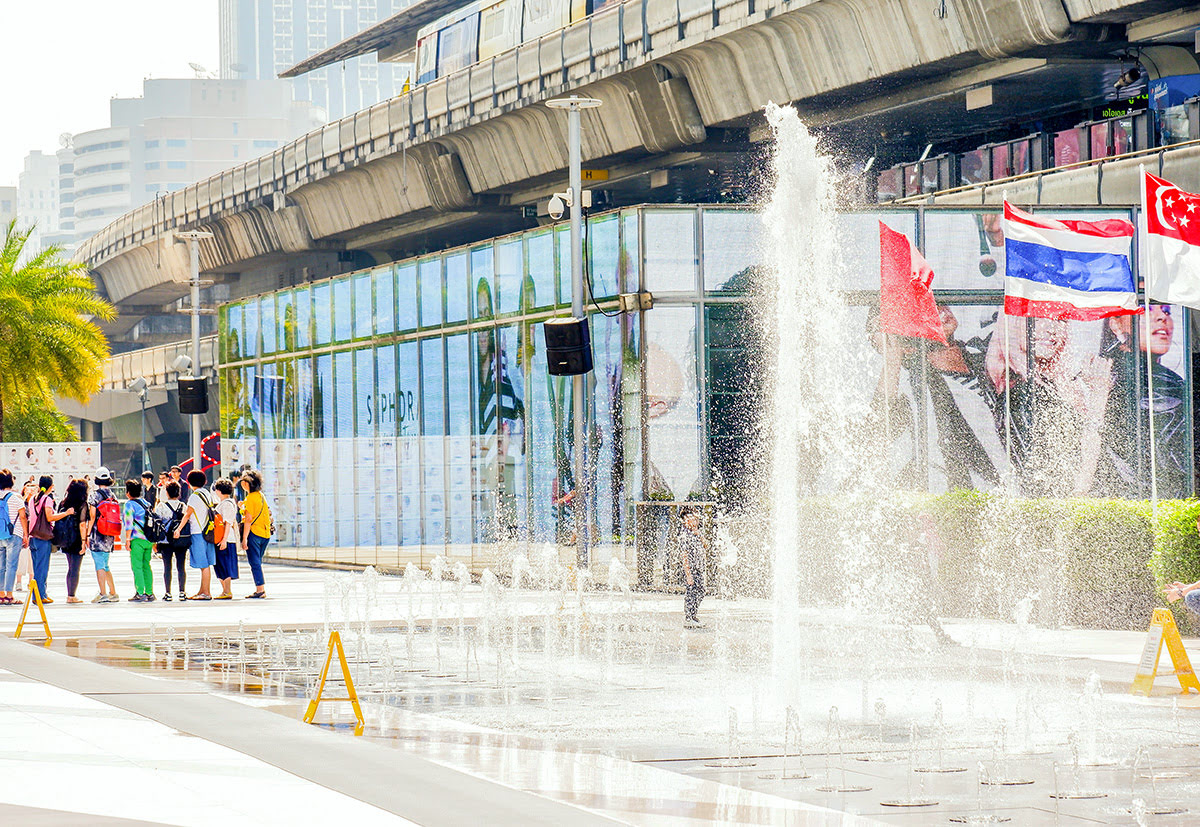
column 1024, row 176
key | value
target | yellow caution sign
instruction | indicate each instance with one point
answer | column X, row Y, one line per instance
column 593, row 175
column 35, row 596
column 1163, row 630
column 335, row 642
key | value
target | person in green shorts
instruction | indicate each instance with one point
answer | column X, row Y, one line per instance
column 133, row 518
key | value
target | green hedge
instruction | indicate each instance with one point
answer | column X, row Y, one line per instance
column 1091, row 563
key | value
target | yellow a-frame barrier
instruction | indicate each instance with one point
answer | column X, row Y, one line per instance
column 335, row 642
column 1163, row 630
column 35, row 595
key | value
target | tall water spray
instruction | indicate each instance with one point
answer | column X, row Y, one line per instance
column 807, row 328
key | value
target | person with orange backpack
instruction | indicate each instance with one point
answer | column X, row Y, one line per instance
column 101, row 528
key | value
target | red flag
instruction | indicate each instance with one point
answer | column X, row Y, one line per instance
column 906, row 305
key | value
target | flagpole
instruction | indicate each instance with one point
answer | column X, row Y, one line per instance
column 1149, row 355
column 1007, row 357
column 887, row 404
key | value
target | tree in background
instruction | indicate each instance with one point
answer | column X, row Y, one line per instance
column 48, row 342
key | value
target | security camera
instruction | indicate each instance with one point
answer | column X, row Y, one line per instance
column 556, row 207
column 182, row 362
column 1129, row 77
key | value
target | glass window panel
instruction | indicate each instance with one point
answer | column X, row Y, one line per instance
column 267, row 322
column 323, row 395
column 540, row 251
column 630, row 255
column 285, row 320
column 303, row 317
column 483, row 292
column 322, row 313
column 732, row 247
column 458, row 389
column 253, row 340
column 432, row 388
column 343, row 377
column 364, row 306
column 385, row 405
column 364, row 376
column 510, row 271
column 606, row 484
column 433, row 419
column 860, row 232
column 408, row 448
column 457, row 288
column 431, row 292
column 458, row 448
column 406, row 297
column 304, row 398
column 604, row 255
column 670, row 250
column 324, row 460
column 549, row 447
column 510, row 407
column 235, row 345
column 343, row 310
column 562, row 246
column 486, row 470
column 672, row 410
column 385, row 300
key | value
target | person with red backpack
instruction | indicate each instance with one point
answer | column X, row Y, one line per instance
column 102, row 526
column 42, row 517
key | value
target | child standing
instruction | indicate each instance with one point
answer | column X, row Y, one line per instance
column 133, row 519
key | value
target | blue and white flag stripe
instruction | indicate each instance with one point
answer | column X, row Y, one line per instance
column 1067, row 269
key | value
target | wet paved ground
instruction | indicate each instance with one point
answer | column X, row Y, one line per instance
column 601, row 733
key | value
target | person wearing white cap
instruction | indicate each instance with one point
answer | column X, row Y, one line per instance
column 102, row 505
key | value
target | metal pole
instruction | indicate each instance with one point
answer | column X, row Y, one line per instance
column 142, row 396
column 577, row 382
column 194, row 251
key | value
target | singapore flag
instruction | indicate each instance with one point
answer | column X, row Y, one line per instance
column 1171, row 245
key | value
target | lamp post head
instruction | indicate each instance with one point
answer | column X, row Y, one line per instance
column 574, row 103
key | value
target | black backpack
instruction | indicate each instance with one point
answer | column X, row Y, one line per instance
column 184, row 541
column 152, row 524
column 66, row 532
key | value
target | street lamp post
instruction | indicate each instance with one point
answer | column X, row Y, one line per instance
column 193, row 238
column 574, row 105
column 139, row 386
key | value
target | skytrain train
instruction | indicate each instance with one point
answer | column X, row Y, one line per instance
column 485, row 28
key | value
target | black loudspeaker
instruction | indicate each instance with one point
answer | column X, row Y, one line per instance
column 193, row 396
column 568, row 347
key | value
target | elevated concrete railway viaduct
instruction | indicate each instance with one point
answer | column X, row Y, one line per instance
column 683, row 83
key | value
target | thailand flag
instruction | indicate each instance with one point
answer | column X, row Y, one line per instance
column 1067, row 269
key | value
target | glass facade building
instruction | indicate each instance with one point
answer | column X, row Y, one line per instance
column 405, row 412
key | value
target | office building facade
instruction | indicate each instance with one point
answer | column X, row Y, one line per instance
column 261, row 39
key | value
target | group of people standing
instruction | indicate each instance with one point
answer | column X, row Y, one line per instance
column 184, row 522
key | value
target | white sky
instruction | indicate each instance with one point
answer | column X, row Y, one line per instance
column 62, row 60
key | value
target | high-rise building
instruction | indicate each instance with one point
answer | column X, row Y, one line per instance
column 179, row 131
column 37, row 196
column 261, row 38
column 8, row 206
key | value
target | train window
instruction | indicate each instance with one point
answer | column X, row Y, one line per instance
column 427, row 58
column 458, row 44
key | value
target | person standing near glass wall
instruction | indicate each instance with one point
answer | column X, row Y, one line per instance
column 256, row 529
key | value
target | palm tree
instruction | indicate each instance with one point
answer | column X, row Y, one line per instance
column 48, row 343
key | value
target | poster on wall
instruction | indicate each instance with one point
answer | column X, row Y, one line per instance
column 64, row 461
